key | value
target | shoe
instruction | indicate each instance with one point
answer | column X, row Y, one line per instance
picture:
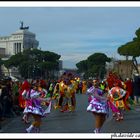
column 89, row 108
column 121, row 118
column 30, row 129
column 61, row 110
column 114, row 115
column 64, row 110
column 55, row 107
column 117, row 119
column 97, row 130
column 26, row 131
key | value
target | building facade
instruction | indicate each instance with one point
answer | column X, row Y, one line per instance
column 124, row 68
column 17, row 42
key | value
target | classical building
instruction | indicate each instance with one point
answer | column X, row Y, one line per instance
column 10, row 45
column 17, row 42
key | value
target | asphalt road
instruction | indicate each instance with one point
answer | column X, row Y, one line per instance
column 79, row 121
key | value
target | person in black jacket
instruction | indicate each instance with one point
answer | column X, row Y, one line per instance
column 6, row 99
column 136, row 87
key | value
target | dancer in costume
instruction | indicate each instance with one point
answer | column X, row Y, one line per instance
column 97, row 105
column 69, row 99
column 59, row 93
column 73, row 89
column 84, row 87
column 116, row 95
column 56, row 96
column 66, row 96
column 64, row 93
column 61, row 90
column 23, row 102
column 116, row 100
column 128, row 101
column 39, row 107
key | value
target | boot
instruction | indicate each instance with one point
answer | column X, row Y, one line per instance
column 89, row 108
column 30, row 129
column 96, row 130
column 118, row 117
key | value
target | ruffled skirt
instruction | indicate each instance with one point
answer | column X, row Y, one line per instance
column 98, row 107
column 43, row 111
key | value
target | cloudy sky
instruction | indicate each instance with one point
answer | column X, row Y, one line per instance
column 74, row 32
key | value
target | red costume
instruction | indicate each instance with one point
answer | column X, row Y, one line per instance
column 25, row 86
column 129, row 89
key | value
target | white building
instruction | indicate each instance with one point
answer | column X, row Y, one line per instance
column 17, row 42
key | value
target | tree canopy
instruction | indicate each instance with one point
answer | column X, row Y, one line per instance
column 94, row 65
column 31, row 63
column 132, row 49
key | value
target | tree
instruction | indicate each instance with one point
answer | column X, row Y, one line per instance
column 132, row 49
column 34, row 63
column 82, row 66
column 94, row 65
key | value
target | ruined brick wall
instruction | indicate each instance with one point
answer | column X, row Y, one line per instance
column 124, row 68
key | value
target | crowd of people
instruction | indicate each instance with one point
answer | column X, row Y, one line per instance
column 36, row 98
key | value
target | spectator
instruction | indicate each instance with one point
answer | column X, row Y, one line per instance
column 7, row 100
column 136, row 88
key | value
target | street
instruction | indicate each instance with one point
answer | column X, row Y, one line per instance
column 79, row 121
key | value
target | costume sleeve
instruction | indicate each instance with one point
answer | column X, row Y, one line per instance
column 35, row 95
column 24, row 94
column 123, row 92
column 96, row 95
column 90, row 91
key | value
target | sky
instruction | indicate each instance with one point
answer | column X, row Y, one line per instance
column 75, row 32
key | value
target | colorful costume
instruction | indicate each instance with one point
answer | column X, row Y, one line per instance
column 35, row 102
column 25, row 86
column 128, row 99
column 116, row 95
column 39, row 105
column 64, row 96
column 97, row 104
